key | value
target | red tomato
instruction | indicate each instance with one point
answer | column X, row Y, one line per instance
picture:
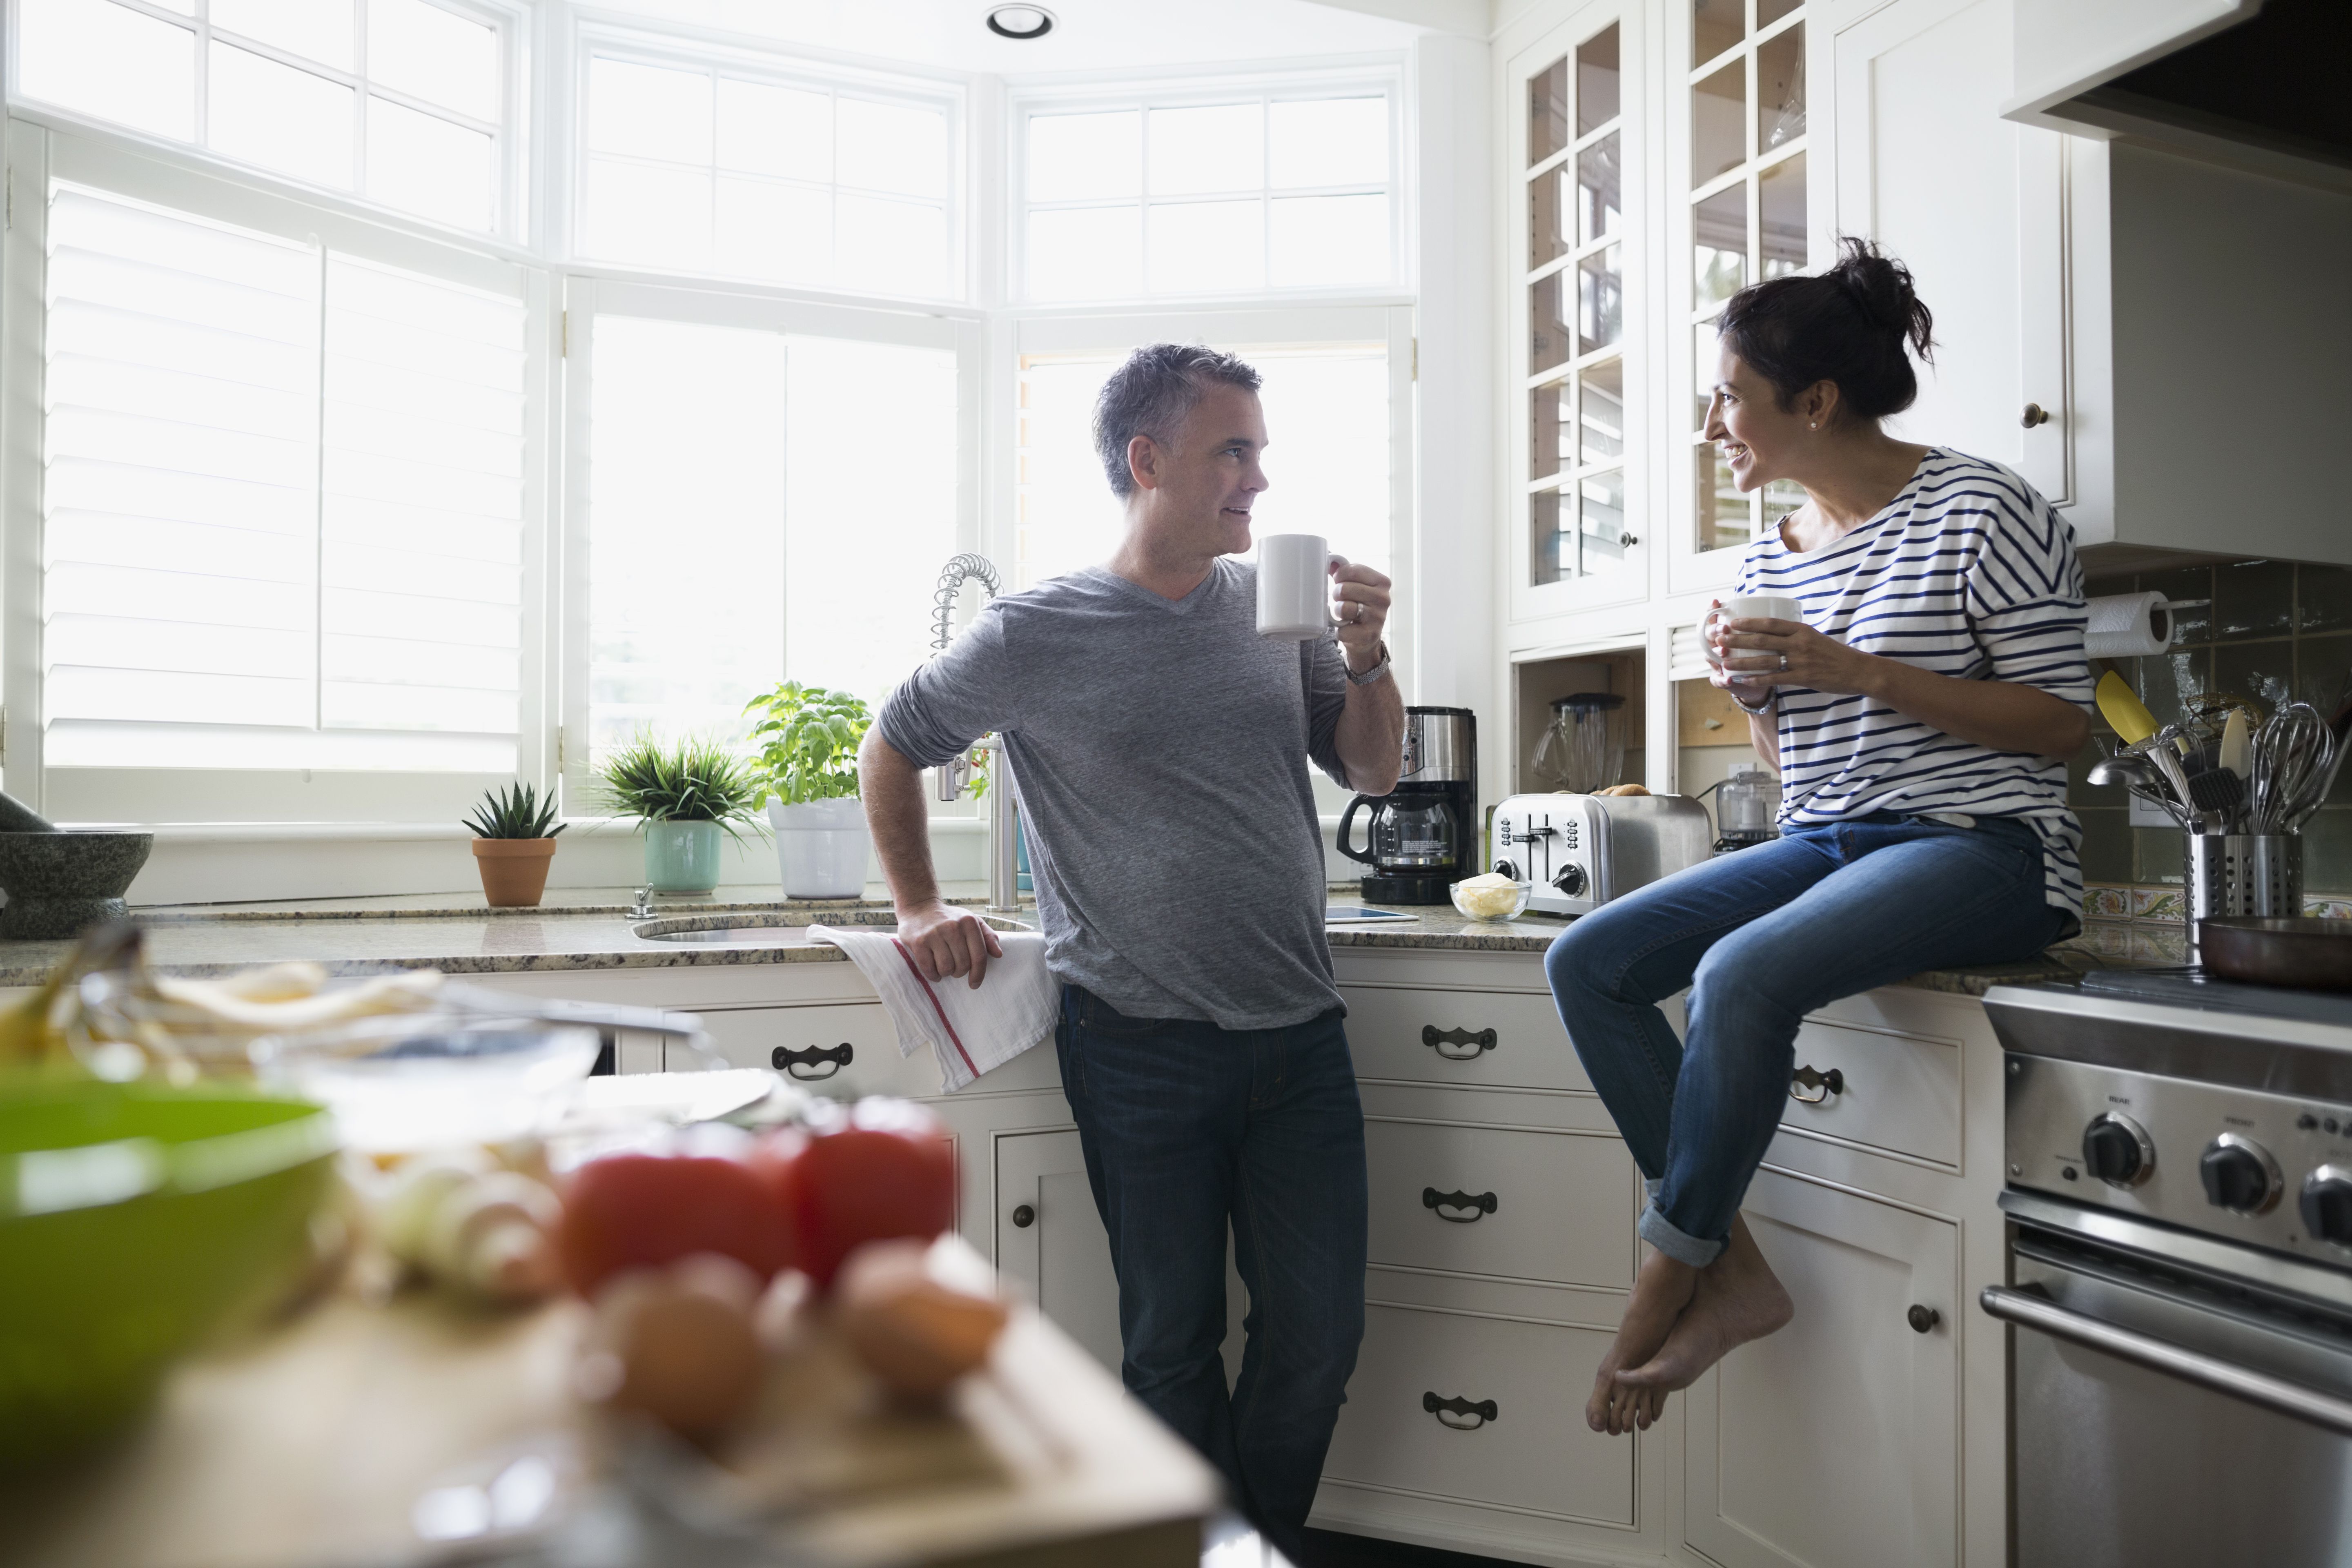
column 637, row 1210
column 881, row 1170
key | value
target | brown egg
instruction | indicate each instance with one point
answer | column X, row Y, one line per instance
column 677, row 1344
column 918, row 1335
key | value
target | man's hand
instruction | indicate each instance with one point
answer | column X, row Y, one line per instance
column 1361, row 600
column 948, row 941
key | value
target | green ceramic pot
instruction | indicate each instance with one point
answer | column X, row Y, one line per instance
column 682, row 856
column 134, row 1218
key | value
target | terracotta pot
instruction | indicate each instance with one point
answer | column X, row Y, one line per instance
column 514, row 870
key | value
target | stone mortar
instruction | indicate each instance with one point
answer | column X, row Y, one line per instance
column 59, row 884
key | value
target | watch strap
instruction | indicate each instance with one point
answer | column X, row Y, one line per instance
column 1369, row 675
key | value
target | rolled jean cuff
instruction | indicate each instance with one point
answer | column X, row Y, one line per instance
column 1682, row 1247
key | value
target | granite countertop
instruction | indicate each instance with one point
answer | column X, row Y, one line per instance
column 592, row 929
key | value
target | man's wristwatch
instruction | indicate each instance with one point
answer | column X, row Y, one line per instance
column 1368, row 677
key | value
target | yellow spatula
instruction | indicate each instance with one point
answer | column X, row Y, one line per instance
column 2132, row 720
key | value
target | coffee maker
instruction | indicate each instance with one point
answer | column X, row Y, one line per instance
column 1423, row 834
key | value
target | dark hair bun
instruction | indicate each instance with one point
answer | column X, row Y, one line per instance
column 1881, row 287
column 1851, row 326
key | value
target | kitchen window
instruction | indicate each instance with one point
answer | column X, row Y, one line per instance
column 705, row 166
column 1747, row 181
column 283, row 508
column 1205, row 194
column 404, row 103
column 754, row 499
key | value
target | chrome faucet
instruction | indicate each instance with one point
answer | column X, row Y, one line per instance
column 955, row 777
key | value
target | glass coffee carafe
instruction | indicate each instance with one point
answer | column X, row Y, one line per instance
column 1584, row 748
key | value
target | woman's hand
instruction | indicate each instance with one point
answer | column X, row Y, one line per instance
column 1756, row 654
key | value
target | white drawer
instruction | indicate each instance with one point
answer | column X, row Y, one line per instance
column 1533, row 1453
column 843, row 1051
column 1562, row 1203
column 1484, row 1039
column 1893, row 1092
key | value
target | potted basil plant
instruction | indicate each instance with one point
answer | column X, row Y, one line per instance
column 513, row 845
column 808, row 739
column 684, row 795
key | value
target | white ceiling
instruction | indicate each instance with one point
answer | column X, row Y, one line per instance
column 1087, row 35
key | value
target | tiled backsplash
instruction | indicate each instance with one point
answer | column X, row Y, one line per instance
column 2272, row 631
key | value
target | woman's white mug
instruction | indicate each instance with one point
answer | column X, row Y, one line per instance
column 1294, row 587
column 1754, row 607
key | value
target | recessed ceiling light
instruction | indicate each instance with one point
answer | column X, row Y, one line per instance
column 1021, row 21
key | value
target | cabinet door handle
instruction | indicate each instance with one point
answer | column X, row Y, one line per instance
column 2036, row 415
column 1478, row 1205
column 1450, row 1412
column 1476, row 1040
column 1024, row 1217
column 1923, row 1320
column 1810, row 1087
column 820, row 1062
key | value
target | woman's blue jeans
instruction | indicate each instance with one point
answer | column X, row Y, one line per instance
column 1763, row 937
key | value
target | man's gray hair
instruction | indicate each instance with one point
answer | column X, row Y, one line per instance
column 1150, row 393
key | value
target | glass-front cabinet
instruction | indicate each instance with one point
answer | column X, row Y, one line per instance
column 1740, row 211
column 1577, row 483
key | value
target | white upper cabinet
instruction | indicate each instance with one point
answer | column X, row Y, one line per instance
column 1581, row 511
column 2064, row 48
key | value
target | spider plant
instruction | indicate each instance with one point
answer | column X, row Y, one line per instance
column 693, row 780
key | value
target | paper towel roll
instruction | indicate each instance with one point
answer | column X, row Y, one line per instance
column 2124, row 624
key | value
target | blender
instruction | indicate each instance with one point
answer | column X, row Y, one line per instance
column 1584, row 748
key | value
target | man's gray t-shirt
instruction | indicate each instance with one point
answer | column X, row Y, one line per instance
column 1159, row 751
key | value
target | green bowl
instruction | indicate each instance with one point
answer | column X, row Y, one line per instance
column 134, row 1218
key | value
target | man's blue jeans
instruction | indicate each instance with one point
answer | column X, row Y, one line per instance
column 1763, row 937
column 1187, row 1128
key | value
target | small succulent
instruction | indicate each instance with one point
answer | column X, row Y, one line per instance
column 515, row 811
column 692, row 781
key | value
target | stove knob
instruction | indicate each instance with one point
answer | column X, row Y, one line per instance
column 2240, row 1175
column 2116, row 1149
column 2327, row 1204
column 1571, row 880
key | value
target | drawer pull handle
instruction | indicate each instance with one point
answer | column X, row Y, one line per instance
column 1437, row 1039
column 1448, row 1412
column 1810, row 1087
column 1024, row 1217
column 1477, row 1203
column 819, row 1061
column 1923, row 1320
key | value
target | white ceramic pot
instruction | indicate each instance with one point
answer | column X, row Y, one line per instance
column 820, row 847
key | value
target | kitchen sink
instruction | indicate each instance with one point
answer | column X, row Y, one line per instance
column 782, row 929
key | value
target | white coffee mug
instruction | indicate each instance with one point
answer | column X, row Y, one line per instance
column 1294, row 587
column 1754, row 607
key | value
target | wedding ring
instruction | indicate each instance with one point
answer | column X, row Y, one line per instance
column 1784, row 661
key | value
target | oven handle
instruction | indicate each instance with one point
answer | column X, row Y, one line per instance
column 2029, row 1310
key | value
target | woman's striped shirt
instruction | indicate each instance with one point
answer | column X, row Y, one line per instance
column 1968, row 572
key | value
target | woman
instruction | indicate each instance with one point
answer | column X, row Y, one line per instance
column 1917, row 716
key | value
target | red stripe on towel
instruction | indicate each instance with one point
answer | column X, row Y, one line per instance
column 942, row 1012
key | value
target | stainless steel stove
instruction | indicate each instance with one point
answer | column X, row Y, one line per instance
column 2180, row 1176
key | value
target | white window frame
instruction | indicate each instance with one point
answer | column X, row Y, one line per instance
column 510, row 149
column 638, row 46
column 36, row 156
column 1533, row 602
column 585, row 298
column 1386, row 82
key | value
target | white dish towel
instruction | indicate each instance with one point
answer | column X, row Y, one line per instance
column 969, row 1031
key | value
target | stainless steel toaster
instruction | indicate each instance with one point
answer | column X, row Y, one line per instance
column 1582, row 850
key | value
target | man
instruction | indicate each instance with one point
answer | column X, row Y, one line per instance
column 1160, row 749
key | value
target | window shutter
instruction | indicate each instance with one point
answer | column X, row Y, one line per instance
column 1686, row 655
column 282, row 504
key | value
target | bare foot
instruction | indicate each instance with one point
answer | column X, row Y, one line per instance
column 1737, row 1299
column 1661, row 1290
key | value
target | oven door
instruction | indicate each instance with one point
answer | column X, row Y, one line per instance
column 2163, row 1417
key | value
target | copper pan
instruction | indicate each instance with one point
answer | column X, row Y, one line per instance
column 2306, row 951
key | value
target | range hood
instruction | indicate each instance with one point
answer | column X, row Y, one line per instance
column 2257, row 84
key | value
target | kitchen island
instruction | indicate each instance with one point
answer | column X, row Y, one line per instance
column 1872, row 1430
